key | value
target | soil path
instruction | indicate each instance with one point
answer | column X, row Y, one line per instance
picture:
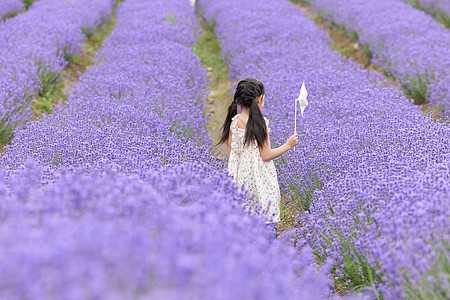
column 77, row 66
column 60, row 90
column 208, row 50
column 218, row 102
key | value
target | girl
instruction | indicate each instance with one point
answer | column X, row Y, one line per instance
column 250, row 156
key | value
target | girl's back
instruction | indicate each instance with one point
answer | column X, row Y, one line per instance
column 250, row 157
column 259, row 177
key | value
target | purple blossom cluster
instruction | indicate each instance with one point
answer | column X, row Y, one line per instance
column 10, row 7
column 370, row 173
column 114, row 236
column 116, row 195
column 35, row 47
column 433, row 6
column 408, row 43
column 138, row 112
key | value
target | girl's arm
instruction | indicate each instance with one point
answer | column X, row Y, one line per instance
column 267, row 154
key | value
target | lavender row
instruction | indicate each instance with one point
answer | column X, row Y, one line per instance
column 365, row 154
column 10, row 7
column 439, row 9
column 36, row 47
column 139, row 112
column 114, row 236
column 116, row 226
column 406, row 42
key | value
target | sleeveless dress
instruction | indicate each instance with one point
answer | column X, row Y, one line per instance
column 259, row 178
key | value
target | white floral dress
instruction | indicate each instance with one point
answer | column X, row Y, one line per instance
column 258, row 177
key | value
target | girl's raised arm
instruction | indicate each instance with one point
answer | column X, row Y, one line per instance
column 267, row 154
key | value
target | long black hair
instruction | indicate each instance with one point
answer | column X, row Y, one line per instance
column 246, row 92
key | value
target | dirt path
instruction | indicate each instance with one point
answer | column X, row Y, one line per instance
column 61, row 89
column 208, row 50
column 218, row 102
column 87, row 57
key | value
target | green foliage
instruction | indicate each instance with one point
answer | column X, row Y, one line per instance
column 88, row 32
column 68, row 55
column 352, row 34
column 417, row 89
column 304, row 2
column 58, row 160
column 45, row 104
column 341, row 50
column 437, row 14
column 170, row 17
column 302, row 195
column 186, row 132
column 10, row 15
column 210, row 25
column 439, row 273
column 367, row 52
column 190, row 82
column 353, row 264
column 51, row 88
column 323, row 14
column 207, row 48
column 357, row 273
column 28, row 3
column 97, row 35
column 159, row 110
column 117, row 96
column 198, row 101
column 48, row 79
column 443, row 18
column 417, row 5
column 6, row 134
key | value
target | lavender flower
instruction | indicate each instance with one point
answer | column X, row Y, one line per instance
column 10, row 7
column 438, row 8
column 35, row 47
column 115, row 236
column 371, row 174
column 406, row 42
column 89, row 186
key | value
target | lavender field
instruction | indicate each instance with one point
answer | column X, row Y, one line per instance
column 116, row 192
column 409, row 44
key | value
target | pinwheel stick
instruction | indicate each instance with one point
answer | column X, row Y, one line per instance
column 295, row 121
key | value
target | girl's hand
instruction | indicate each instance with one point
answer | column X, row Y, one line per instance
column 292, row 141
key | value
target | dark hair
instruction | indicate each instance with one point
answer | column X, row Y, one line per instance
column 246, row 92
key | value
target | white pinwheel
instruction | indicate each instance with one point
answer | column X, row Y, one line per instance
column 301, row 99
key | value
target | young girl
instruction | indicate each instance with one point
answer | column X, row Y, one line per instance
column 250, row 156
